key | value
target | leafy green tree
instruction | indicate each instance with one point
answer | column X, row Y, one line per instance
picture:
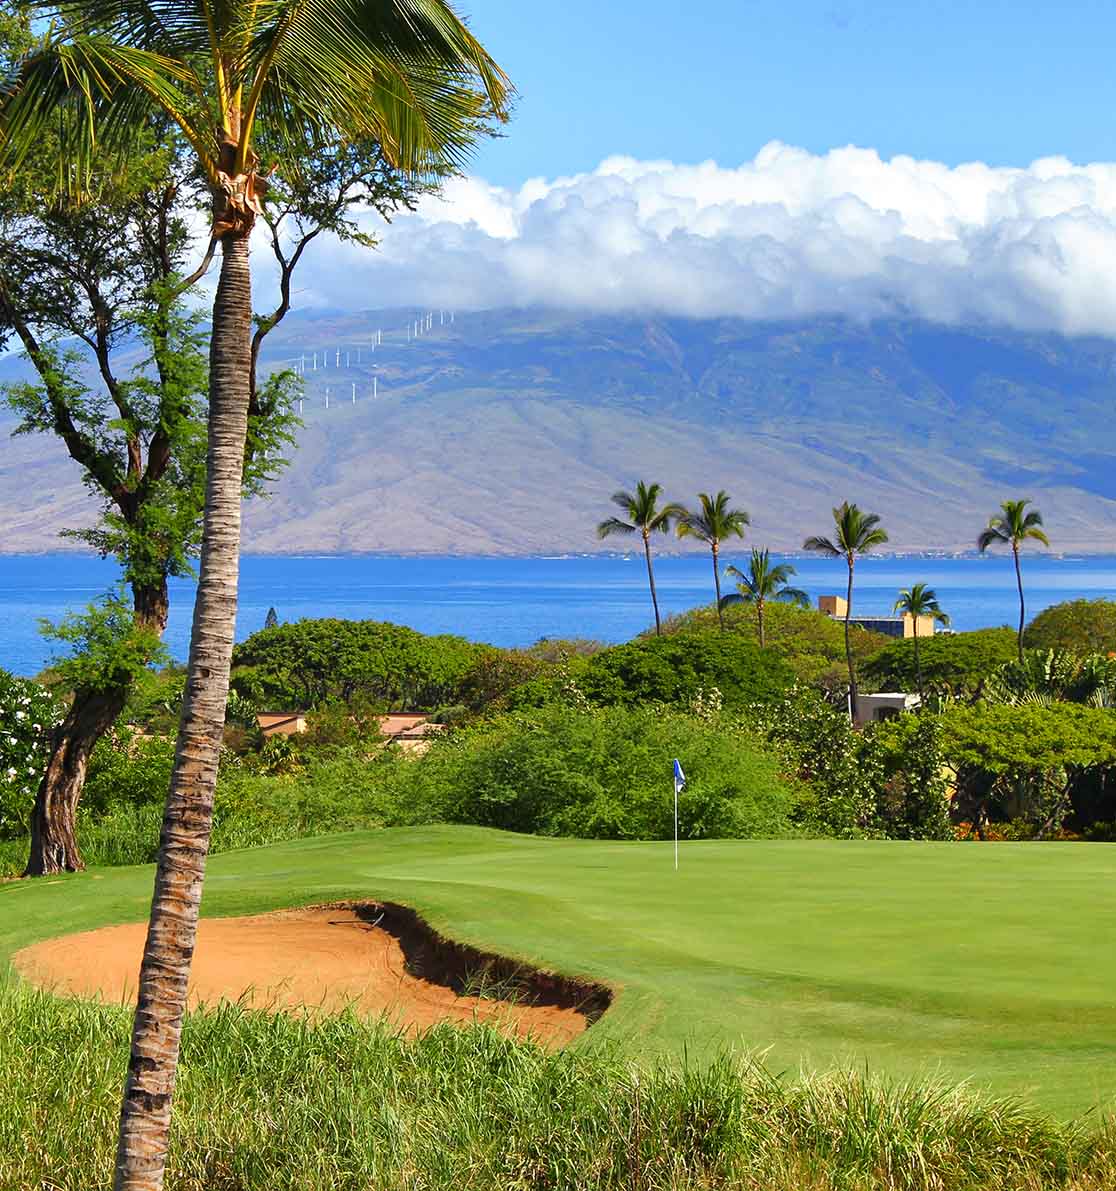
column 953, row 665
column 645, row 516
column 713, row 523
column 856, row 533
column 409, row 76
column 1013, row 526
column 679, row 668
column 760, row 585
column 917, row 602
column 1078, row 626
column 309, row 663
column 810, row 642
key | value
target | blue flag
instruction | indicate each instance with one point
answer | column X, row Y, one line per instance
column 679, row 777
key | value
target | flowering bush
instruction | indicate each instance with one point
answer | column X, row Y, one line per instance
column 28, row 713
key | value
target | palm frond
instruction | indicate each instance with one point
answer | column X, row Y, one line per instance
column 793, row 595
column 823, row 546
column 95, row 95
column 613, row 525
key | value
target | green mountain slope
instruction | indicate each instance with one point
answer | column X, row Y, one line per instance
column 505, row 431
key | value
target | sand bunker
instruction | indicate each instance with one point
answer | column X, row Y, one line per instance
column 377, row 958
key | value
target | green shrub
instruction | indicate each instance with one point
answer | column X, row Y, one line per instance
column 127, row 770
column 603, row 774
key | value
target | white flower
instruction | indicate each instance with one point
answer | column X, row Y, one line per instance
column 21, row 715
column 11, row 771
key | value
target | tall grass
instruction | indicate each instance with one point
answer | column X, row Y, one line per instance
column 281, row 1102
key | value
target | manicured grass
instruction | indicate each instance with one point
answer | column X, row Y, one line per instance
column 992, row 962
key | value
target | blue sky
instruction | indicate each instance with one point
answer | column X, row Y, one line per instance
column 951, row 81
column 695, row 159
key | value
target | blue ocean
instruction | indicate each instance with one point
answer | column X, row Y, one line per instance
column 516, row 601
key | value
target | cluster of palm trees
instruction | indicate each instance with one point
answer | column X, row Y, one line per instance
column 855, row 533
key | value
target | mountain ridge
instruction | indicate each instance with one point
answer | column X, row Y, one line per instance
column 505, row 432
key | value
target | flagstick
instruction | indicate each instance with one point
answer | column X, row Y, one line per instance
column 676, row 827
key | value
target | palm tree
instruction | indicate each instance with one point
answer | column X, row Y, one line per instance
column 645, row 517
column 715, row 522
column 762, row 583
column 856, row 533
column 301, row 74
column 916, row 602
column 1012, row 525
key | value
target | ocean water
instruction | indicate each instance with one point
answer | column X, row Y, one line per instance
column 516, row 601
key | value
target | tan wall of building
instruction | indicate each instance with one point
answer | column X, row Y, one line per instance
column 833, row 605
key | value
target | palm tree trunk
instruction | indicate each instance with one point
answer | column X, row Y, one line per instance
column 918, row 663
column 848, row 644
column 1019, row 585
column 164, row 972
column 717, row 587
column 54, row 847
column 759, row 618
column 651, row 582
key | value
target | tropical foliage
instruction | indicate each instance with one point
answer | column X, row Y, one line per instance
column 713, row 522
column 410, row 77
column 855, row 533
column 920, row 603
column 644, row 515
column 1012, row 526
column 761, row 584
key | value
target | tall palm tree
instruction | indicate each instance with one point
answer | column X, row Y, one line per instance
column 1013, row 525
column 917, row 602
column 762, row 583
column 644, row 516
column 712, row 524
column 856, row 533
column 302, row 74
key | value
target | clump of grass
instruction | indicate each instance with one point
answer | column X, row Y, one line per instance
column 280, row 1102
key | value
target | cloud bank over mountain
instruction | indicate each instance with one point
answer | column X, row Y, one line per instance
column 788, row 234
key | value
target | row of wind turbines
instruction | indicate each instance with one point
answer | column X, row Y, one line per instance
column 308, row 362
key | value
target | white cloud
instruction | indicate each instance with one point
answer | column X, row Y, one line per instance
column 789, row 233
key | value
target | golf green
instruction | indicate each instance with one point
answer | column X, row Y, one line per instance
column 989, row 962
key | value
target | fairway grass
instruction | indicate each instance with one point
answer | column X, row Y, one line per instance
column 991, row 963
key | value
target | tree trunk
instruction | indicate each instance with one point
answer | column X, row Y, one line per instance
column 172, row 929
column 717, row 587
column 918, row 664
column 848, row 645
column 651, row 581
column 1019, row 585
column 54, row 847
column 759, row 618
